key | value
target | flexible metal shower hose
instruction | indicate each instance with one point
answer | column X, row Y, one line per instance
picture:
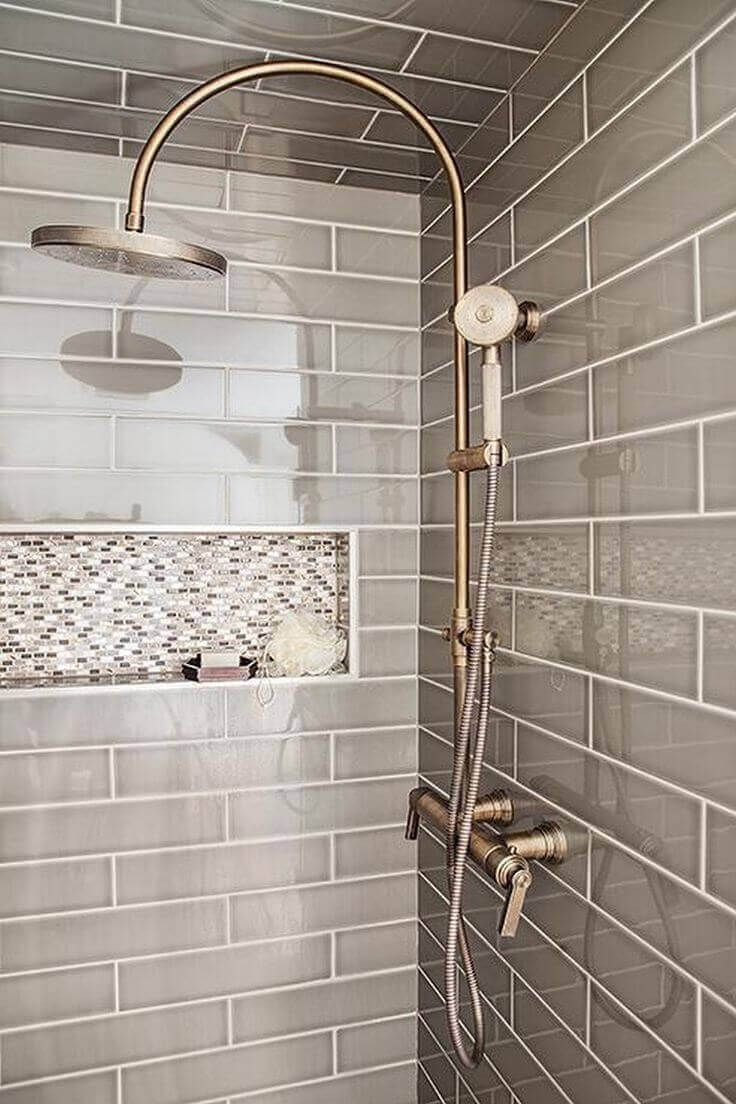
column 464, row 794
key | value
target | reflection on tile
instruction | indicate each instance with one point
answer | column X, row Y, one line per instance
column 34, row 329
column 243, row 342
column 543, row 695
column 398, row 161
column 719, row 640
column 388, row 652
column 685, row 744
column 221, row 446
column 246, row 237
column 720, row 473
column 471, row 62
column 552, row 275
column 717, row 269
column 393, row 128
column 652, row 43
column 375, row 752
column 337, row 500
column 681, row 379
column 387, row 601
column 377, row 1044
column 719, row 1039
column 396, row 1084
column 688, row 192
column 611, row 319
column 323, row 397
column 614, row 800
column 323, row 707
column 381, row 254
column 692, row 562
column 716, row 90
column 23, row 212
column 645, row 134
column 438, row 499
column 376, row 851
column 112, row 497
column 307, row 200
column 641, row 474
column 387, row 552
column 54, row 441
column 652, row 647
column 110, row 386
column 393, row 353
column 547, row 417
column 721, row 850
column 347, row 299
column 389, row 451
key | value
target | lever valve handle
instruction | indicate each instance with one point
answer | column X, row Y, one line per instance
column 412, row 823
column 520, row 883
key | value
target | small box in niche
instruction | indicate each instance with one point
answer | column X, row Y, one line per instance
column 215, row 666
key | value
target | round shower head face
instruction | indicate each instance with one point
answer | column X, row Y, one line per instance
column 129, row 252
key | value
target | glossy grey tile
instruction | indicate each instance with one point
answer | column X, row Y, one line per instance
column 682, row 743
column 691, row 562
column 395, row 1084
column 716, row 269
column 38, row 779
column 609, row 320
column 719, row 635
column 24, row 211
column 321, row 397
column 721, row 873
column 325, row 907
column 264, row 28
column 650, row 45
column 323, row 1005
column 387, row 451
column 54, row 1050
column 720, row 441
column 221, row 765
column 318, row 296
column 323, row 202
column 375, row 752
column 387, row 651
column 645, row 134
column 387, row 601
column 383, row 851
column 229, row 1070
column 43, row 330
column 381, row 947
column 110, row 387
column 685, row 194
column 220, row 446
column 546, row 417
column 109, row 826
column 202, row 871
column 222, row 971
column 471, row 62
column 719, row 1027
column 366, row 251
column 95, row 1088
column 553, row 274
column 656, row 474
column 642, row 645
column 387, row 552
column 716, row 94
column 57, row 995
column 295, row 812
column 322, row 707
column 126, row 716
column 274, row 500
column 241, row 342
column 376, row 351
column 379, row 1044
column 55, row 887
column 121, row 933
column 681, row 379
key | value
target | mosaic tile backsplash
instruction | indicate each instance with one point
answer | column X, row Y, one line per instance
column 90, row 606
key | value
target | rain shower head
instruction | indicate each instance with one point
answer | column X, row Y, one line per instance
column 129, row 252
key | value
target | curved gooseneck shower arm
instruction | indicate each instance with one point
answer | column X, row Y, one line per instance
column 485, row 316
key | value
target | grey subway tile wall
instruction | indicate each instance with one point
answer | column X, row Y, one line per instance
column 613, row 689
column 162, row 939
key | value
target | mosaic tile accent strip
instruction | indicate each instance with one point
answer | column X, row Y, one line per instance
column 108, row 605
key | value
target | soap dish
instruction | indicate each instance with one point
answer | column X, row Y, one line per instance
column 194, row 670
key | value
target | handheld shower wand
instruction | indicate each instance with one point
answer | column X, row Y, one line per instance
column 485, row 316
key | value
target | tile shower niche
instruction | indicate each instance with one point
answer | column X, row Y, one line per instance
column 99, row 606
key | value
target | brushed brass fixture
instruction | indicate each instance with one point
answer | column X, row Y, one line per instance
column 487, row 316
column 505, row 858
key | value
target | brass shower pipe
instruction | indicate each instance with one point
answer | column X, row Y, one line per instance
column 134, row 220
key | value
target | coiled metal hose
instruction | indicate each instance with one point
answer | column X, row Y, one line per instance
column 464, row 794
